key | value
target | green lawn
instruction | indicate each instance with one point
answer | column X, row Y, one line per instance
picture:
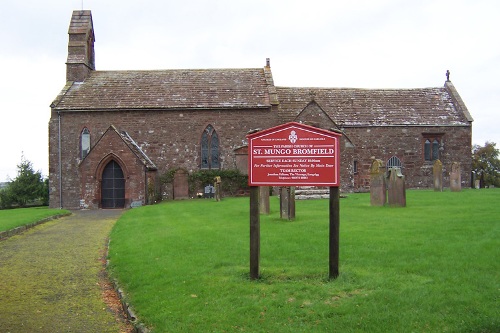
column 13, row 218
column 433, row 266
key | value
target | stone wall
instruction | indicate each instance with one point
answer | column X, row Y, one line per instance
column 407, row 144
column 171, row 139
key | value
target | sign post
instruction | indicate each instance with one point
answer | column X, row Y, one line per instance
column 294, row 154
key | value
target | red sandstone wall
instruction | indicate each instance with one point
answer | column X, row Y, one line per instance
column 407, row 144
column 170, row 138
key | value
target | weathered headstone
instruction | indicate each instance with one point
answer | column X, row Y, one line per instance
column 218, row 188
column 455, row 177
column 287, row 203
column 264, row 199
column 378, row 196
column 437, row 173
column 396, row 191
column 181, row 186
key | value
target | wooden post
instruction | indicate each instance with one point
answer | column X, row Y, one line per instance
column 254, row 232
column 334, row 232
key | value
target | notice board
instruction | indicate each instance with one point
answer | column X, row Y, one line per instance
column 294, row 154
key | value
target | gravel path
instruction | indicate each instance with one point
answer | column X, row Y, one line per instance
column 52, row 277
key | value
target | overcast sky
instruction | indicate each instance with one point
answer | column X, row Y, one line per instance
column 313, row 43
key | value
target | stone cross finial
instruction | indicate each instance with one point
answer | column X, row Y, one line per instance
column 447, row 75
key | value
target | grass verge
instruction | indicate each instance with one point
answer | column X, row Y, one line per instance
column 432, row 266
column 13, row 218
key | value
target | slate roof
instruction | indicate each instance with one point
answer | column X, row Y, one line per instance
column 141, row 155
column 378, row 107
column 167, row 89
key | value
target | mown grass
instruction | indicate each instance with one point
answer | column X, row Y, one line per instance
column 430, row 267
column 13, row 218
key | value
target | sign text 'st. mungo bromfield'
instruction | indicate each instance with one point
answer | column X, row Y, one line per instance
column 294, row 154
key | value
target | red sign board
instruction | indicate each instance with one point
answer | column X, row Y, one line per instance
column 294, row 154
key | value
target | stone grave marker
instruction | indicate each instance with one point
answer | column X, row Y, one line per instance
column 264, row 200
column 396, row 191
column 181, row 186
column 218, row 188
column 455, row 177
column 378, row 196
column 437, row 173
column 287, row 202
column 209, row 191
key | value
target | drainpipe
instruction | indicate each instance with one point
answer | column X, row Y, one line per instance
column 60, row 159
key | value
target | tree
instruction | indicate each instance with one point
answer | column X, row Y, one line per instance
column 486, row 164
column 28, row 186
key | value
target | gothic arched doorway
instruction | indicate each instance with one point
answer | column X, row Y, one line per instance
column 112, row 186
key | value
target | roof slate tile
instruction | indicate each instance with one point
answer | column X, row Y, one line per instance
column 168, row 89
column 369, row 107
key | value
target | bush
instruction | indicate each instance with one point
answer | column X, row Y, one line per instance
column 233, row 181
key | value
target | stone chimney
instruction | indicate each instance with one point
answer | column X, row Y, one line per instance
column 81, row 57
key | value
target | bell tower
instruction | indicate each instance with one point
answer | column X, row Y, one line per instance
column 81, row 57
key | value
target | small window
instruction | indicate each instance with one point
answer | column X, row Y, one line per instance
column 355, row 167
column 210, row 149
column 394, row 162
column 432, row 147
column 85, row 143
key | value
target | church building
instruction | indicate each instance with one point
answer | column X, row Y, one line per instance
column 112, row 134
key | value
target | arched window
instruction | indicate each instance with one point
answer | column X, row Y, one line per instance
column 85, row 142
column 394, row 162
column 210, row 149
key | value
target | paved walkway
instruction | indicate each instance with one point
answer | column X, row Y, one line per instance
column 51, row 277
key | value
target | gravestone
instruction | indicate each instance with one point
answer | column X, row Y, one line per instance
column 181, row 186
column 396, row 191
column 455, row 177
column 218, row 188
column 378, row 196
column 209, row 191
column 264, row 199
column 287, row 203
column 437, row 174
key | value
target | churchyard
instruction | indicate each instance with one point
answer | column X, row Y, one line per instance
column 432, row 266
